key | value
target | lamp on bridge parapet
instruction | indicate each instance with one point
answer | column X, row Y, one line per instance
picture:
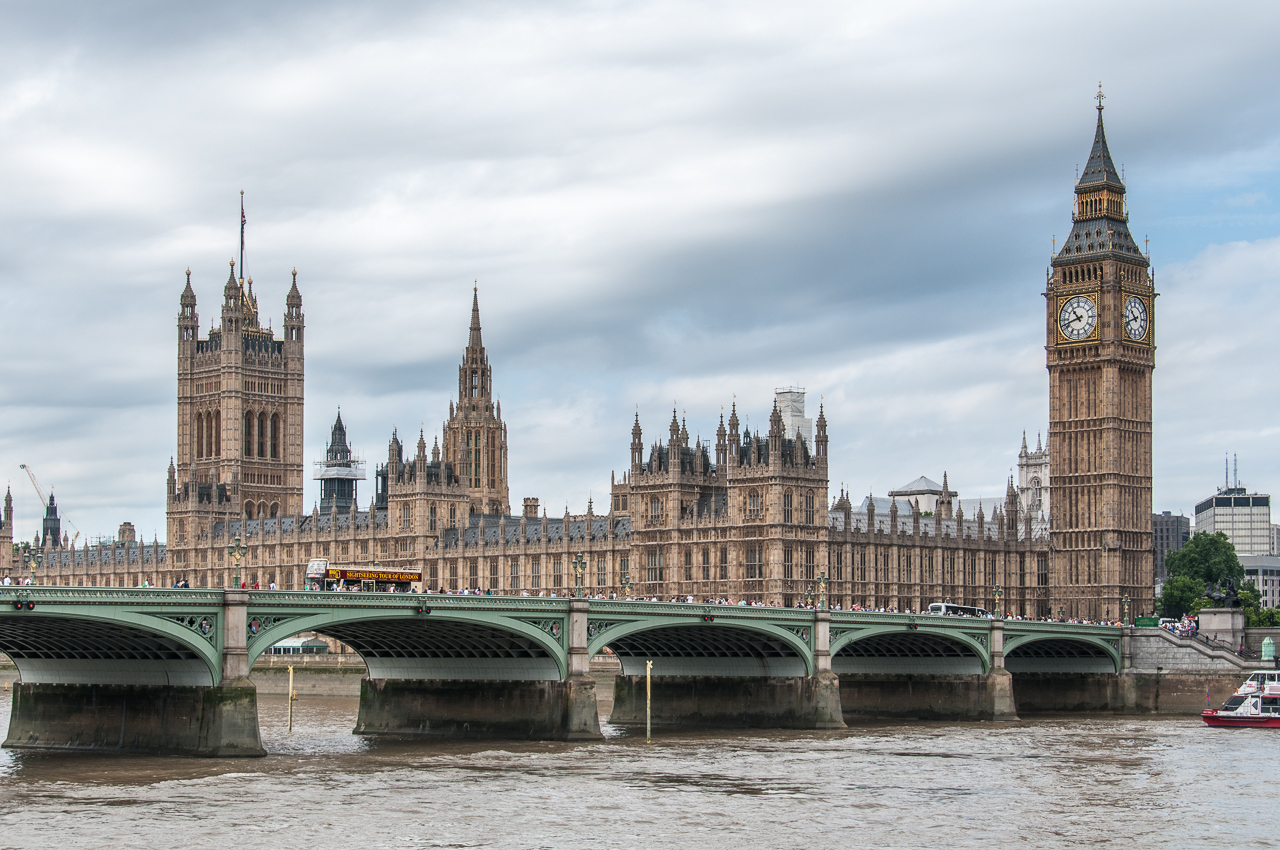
column 579, row 567
column 1125, row 602
column 626, row 584
column 822, row 590
column 33, row 560
column 237, row 550
column 998, row 593
column 1062, row 614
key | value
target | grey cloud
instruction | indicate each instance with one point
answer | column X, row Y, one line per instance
column 661, row 202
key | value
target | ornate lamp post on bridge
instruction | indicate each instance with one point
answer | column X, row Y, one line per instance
column 999, row 595
column 579, row 567
column 1125, row 602
column 237, row 550
column 822, row 590
column 1062, row 614
column 33, row 560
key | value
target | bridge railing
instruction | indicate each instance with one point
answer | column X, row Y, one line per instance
column 99, row 595
column 364, row 599
column 1059, row 628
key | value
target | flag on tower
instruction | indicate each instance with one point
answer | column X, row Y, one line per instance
column 242, row 223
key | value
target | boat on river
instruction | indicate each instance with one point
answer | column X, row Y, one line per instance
column 1256, row 703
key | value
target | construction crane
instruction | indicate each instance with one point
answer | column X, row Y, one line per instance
column 44, row 500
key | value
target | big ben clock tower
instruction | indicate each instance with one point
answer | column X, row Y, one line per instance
column 1100, row 352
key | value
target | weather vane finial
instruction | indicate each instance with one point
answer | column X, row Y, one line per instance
column 1100, row 96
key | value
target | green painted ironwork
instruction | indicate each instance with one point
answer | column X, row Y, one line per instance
column 196, row 619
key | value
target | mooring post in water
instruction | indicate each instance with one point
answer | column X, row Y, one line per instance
column 292, row 696
column 648, row 701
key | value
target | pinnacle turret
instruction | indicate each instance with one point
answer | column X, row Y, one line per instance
column 1100, row 169
column 294, row 298
column 188, row 298
column 475, row 341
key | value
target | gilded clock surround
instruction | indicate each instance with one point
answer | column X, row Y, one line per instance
column 1063, row 301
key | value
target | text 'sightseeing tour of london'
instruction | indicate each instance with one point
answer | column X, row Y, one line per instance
column 806, row 663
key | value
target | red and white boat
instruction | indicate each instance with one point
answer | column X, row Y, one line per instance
column 1255, row 703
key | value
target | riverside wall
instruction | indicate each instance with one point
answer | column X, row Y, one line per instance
column 865, row 696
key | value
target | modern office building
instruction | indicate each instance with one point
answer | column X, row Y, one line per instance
column 1244, row 517
column 1171, row 533
column 1264, row 572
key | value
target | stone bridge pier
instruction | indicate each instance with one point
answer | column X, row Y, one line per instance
column 448, row 675
column 722, row 667
column 109, row 678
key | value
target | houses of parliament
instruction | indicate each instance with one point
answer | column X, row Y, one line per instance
column 748, row 515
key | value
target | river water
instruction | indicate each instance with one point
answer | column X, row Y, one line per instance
column 1065, row 782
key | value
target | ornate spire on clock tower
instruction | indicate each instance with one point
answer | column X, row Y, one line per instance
column 1100, row 353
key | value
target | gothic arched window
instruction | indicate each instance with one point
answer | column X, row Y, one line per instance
column 262, row 435
column 248, row 434
column 275, row 436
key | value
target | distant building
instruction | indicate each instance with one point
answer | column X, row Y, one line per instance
column 1264, row 572
column 338, row 472
column 6, row 534
column 1171, row 533
column 923, row 490
column 51, row 528
column 791, row 407
column 1244, row 517
column 1033, row 478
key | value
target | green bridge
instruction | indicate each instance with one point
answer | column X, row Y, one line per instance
column 168, row 670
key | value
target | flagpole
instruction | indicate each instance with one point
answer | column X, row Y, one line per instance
column 242, row 221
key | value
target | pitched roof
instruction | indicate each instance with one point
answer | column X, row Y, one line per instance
column 1100, row 168
column 920, row 485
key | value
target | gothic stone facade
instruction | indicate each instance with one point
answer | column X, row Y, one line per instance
column 754, row 521
column 1100, row 352
column 240, row 406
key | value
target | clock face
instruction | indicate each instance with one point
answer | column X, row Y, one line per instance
column 1135, row 317
column 1078, row 318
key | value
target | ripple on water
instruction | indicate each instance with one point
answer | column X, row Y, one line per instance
column 1061, row 782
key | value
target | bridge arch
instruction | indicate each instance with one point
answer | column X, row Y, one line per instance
column 899, row 649
column 401, row 643
column 1060, row 654
column 694, row 646
column 112, row 646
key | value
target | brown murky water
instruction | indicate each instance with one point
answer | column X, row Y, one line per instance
column 1099, row 781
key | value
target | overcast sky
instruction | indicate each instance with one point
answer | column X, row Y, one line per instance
column 662, row 202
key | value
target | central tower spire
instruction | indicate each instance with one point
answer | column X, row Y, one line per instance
column 475, row 438
column 475, row 341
